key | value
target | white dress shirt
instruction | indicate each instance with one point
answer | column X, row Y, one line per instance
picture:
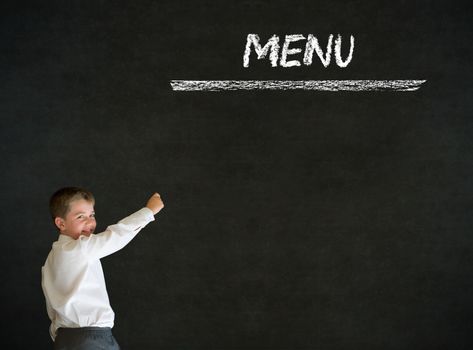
column 72, row 276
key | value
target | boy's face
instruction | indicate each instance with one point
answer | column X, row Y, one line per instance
column 80, row 220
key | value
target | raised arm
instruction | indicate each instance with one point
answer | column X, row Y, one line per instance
column 116, row 236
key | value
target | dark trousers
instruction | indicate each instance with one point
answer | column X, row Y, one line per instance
column 85, row 338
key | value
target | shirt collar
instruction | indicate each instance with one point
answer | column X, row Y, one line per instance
column 64, row 238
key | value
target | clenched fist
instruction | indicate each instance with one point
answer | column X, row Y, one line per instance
column 155, row 203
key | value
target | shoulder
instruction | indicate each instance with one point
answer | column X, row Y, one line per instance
column 68, row 246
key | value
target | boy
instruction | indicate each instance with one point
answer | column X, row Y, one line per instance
column 72, row 277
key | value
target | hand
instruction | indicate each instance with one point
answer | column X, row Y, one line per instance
column 155, row 203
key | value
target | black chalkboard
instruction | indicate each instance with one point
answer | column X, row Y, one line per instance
column 294, row 219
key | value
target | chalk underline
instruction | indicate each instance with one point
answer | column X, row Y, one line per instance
column 320, row 85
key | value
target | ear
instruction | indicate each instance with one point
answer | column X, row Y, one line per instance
column 59, row 222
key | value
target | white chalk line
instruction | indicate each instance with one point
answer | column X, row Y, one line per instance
column 320, row 85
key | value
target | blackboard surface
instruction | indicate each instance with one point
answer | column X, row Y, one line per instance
column 293, row 219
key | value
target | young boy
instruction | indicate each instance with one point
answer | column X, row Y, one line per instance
column 72, row 277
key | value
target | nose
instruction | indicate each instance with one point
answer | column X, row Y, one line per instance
column 91, row 222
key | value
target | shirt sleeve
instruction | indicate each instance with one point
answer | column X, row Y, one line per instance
column 115, row 237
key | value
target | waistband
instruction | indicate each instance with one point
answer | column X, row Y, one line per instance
column 85, row 329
